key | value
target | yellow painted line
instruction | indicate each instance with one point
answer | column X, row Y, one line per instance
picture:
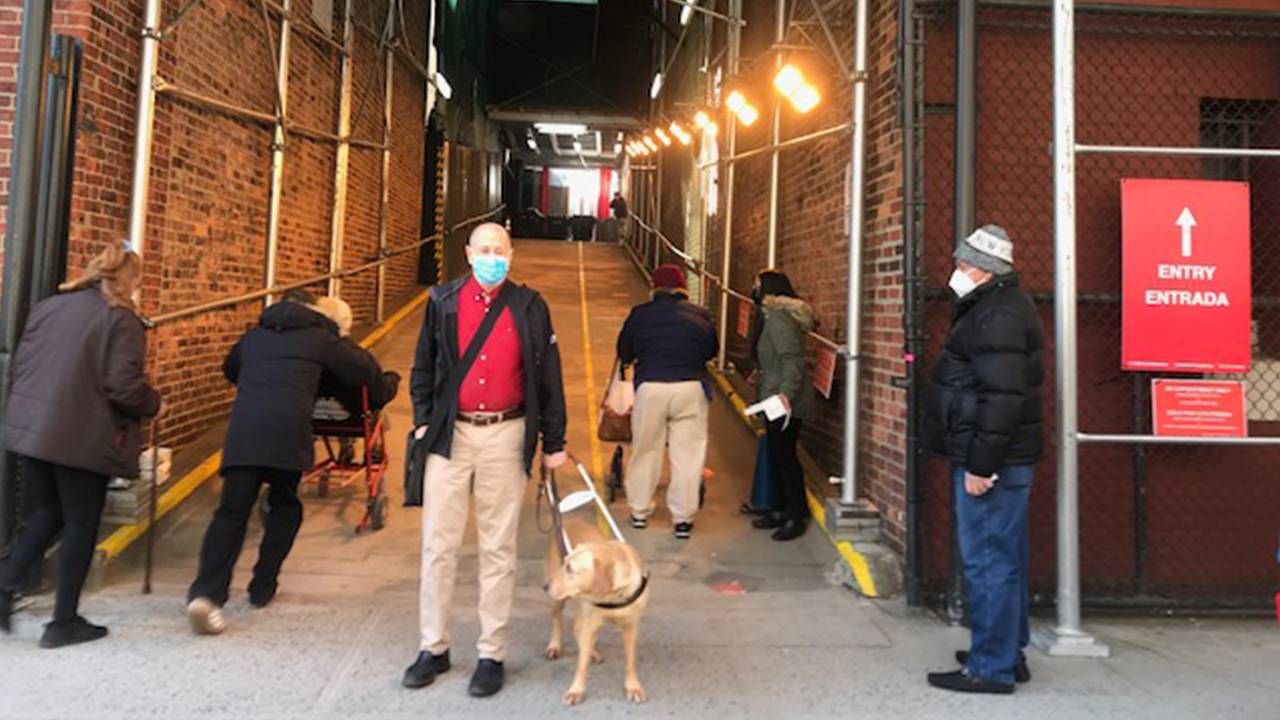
column 125, row 535
column 856, row 562
column 597, row 462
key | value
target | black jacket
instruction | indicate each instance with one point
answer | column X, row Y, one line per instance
column 382, row 385
column 985, row 406
column 669, row 339
column 80, row 386
column 438, row 353
column 276, row 368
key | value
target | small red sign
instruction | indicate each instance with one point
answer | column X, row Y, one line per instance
column 744, row 318
column 1186, row 300
column 1198, row 408
column 823, row 373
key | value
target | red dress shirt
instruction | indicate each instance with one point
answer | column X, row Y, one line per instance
column 495, row 381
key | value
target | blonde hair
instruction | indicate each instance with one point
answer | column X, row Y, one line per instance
column 337, row 310
column 115, row 271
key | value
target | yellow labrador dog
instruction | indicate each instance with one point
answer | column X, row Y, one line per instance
column 608, row 580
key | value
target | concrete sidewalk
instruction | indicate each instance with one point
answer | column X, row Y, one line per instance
column 792, row 643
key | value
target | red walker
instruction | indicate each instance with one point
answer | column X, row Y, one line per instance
column 344, row 468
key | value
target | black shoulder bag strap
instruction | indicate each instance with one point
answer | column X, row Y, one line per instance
column 469, row 357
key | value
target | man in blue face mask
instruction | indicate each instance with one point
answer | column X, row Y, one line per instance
column 486, row 384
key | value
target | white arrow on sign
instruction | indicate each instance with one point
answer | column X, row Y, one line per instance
column 1186, row 221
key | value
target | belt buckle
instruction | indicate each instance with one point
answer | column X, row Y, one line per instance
column 483, row 419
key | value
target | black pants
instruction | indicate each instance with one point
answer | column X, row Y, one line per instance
column 57, row 498
column 225, row 536
column 788, row 474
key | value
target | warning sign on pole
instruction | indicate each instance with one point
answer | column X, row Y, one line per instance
column 1198, row 408
column 823, row 373
column 1187, row 295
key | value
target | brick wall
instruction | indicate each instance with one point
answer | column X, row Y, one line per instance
column 211, row 172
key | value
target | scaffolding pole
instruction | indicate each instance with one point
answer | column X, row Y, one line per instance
column 731, row 146
column 144, row 127
column 278, row 146
column 780, row 35
column 388, row 98
column 342, row 159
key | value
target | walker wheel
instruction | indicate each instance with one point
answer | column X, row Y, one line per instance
column 378, row 513
column 322, row 485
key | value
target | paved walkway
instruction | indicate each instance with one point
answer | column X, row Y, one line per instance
column 794, row 644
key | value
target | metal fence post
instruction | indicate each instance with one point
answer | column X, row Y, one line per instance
column 775, row 135
column 1067, row 638
column 731, row 147
column 342, row 158
column 388, row 98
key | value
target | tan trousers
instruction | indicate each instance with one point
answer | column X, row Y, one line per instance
column 675, row 413
column 489, row 462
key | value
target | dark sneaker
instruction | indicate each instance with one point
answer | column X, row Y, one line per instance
column 6, row 611
column 61, row 633
column 1021, row 673
column 639, row 523
column 684, row 530
column 424, row 670
column 261, row 597
column 487, row 679
column 769, row 521
column 961, row 681
column 789, row 530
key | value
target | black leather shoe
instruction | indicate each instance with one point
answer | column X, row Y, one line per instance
column 961, row 681
column 790, row 530
column 61, row 633
column 769, row 521
column 423, row 671
column 487, row 679
column 261, row 597
column 1021, row 673
column 6, row 611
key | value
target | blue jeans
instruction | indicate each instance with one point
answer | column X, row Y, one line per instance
column 993, row 544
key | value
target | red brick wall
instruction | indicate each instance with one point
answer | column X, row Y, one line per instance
column 211, row 173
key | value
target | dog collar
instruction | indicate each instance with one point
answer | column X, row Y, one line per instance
column 644, row 583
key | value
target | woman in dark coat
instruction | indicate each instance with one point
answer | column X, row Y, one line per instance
column 73, row 419
column 778, row 342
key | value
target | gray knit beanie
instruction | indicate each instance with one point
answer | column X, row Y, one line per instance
column 988, row 248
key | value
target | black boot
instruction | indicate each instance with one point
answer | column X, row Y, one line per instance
column 1021, row 673
column 61, row 633
column 487, row 679
column 790, row 530
column 769, row 521
column 261, row 594
column 962, row 681
column 6, row 611
column 423, row 671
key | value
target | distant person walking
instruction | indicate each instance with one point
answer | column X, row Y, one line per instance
column 670, row 340
column 778, row 343
column 984, row 415
column 74, row 420
column 619, row 206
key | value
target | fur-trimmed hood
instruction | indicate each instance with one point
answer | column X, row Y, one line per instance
column 795, row 307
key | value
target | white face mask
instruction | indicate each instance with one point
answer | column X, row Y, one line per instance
column 961, row 284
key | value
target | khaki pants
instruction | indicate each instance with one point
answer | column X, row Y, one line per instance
column 674, row 412
column 489, row 462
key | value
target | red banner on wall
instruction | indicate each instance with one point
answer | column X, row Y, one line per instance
column 1187, row 295
column 1198, row 408
column 744, row 318
column 823, row 373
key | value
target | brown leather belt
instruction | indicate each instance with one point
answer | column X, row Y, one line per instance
column 482, row 419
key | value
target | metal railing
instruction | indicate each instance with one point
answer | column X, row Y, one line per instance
column 386, row 255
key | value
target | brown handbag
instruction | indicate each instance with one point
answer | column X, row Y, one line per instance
column 614, row 425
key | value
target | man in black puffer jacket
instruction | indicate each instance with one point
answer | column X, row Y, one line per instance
column 984, row 414
column 276, row 368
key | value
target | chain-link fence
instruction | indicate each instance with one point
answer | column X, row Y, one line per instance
column 1159, row 525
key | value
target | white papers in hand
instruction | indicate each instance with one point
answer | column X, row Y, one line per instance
column 771, row 406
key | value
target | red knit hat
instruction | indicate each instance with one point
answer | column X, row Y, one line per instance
column 669, row 276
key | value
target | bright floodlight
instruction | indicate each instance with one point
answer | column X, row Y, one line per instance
column 788, row 80
column 443, row 86
column 701, row 119
column 666, row 139
column 561, row 128
column 805, row 99
column 656, row 87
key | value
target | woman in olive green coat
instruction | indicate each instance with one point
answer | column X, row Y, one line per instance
column 778, row 344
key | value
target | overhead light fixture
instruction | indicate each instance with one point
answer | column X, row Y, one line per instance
column 711, row 129
column 686, row 13
column 746, row 112
column 701, row 119
column 665, row 138
column 617, row 148
column 560, row 128
column 443, row 86
column 533, row 144
column 683, row 136
column 792, row 84
column 648, row 141
column 577, row 146
column 656, row 87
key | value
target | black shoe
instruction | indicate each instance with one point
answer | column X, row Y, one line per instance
column 1021, row 673
column 6, row 611
column 487, row 679
column 768, row 522
column 639, row 523
column 790, row 530
column 61, row 633
column 684, row 530
column 423, row 671
column 260, row 597
column 749, row 509
column 961, row 681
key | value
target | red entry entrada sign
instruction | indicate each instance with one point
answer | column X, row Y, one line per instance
column 823, row 373
column 1198, row 408
column 1187, row 296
